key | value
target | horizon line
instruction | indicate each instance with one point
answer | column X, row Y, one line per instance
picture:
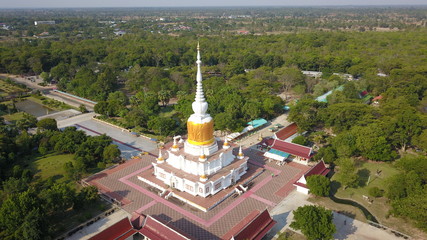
column 223, row 6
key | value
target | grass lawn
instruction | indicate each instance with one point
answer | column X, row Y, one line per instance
column 14, row 116
column 51, row 165
column 345, row 209
column 51, row 103
column 380, row 206
column 9, row 88
column 290, row 235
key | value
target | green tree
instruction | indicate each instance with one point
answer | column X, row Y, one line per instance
column 47, row 124
column 421, row 140
column 306, row 113
column 347, row 175
column 46, row 77
column 342, row 116
column 405, row 125
column 315, row 222
column 82, row 108
column 164, row 96
column 372, row 143
column 319, row 185
column 111, row 153
column 28, row 121
column 162, row 126
column 326, row 154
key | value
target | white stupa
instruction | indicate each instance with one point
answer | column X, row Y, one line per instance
column 200, row 166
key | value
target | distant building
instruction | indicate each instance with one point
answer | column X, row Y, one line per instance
column 119, row 33
column 312, row 74
column 44, row 23
column 345, row 76
column 4, row 26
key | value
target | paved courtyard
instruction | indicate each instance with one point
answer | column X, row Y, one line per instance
column 267, row 191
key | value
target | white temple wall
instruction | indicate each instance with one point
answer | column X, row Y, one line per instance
column 217, row 186
column 174, row 160
column 189, row 187
column 302, row 180
column 228, row 157
column 227, row 181
column 201, row 169
column 191, row 167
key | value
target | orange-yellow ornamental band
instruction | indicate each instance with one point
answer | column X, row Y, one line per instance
column 200, row 134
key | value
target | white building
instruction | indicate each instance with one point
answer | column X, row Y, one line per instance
column 199, row 165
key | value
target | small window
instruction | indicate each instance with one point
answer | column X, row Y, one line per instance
column 218, row 185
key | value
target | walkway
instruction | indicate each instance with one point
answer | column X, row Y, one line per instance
column 347, row 228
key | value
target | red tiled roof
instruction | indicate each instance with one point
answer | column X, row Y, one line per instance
column 287, row 131
column 137, row 220
column 319, row 169
column 266, row 142
column 300, row 184
column 292, row 148
column 257, row 228
column 155, row 230
column 116, row 231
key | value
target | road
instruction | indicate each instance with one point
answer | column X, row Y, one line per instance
column 47, row 91
column 264, row 132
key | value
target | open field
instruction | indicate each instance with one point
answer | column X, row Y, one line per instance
column 379, row 207
column 51, row 166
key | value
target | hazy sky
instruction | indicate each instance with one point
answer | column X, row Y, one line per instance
column 185, row 3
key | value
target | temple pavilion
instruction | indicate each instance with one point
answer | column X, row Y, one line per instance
column 201, row 165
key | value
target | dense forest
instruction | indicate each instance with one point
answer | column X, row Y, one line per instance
column 151, row 68
column 145, row 81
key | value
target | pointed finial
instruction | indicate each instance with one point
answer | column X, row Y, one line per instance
column 160, row 159
column 240, row 155
column 198, row 46
column 175, row 145
column 226, row 145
